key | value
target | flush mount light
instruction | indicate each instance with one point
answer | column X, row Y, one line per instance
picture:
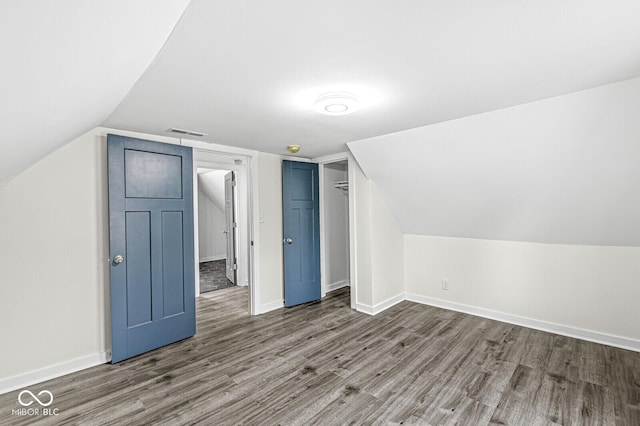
column 336, row 103
column 294, row 149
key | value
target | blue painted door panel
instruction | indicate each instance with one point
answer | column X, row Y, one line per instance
column 301, row 225
column 151, row 227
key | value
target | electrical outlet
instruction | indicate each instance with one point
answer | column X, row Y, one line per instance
column 445, row 284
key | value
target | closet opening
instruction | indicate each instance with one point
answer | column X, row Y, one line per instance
column 334, row 218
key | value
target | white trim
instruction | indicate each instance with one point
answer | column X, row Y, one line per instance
column 337, row 285
column 222, row 157
column 382, row 306
column 253, row 179
column 213, row 258
column 51, row 372
column 324, row 270
column 353, row 278
column 331, row 158
column 174, row 140
column 294, row 158
column 271, row 306
column 221, row 149
column 365, row 309
column 196, row 230
column 324, row 267
column 564, row 330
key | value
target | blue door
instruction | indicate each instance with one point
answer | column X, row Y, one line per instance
column 151, row 245
column 301, row 225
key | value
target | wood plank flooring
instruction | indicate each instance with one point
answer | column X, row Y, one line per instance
column 323, row 363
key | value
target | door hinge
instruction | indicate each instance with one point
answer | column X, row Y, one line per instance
column 235, row 266
column 235, row 225
column 233, row 183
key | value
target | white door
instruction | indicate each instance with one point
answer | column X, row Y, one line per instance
column 230, row 230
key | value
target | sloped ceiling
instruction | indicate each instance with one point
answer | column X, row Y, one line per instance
column 561, row 170
column 248, row 72
column 211, row 183
column 67, row 64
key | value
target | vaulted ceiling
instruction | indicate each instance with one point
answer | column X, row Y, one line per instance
column 560, row 170
column 67, row 64
column 248, row 74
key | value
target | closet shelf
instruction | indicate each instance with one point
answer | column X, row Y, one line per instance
column 342, row 185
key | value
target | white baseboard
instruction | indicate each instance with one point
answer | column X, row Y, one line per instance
column 212, row 258
column 271, row 306
column 51, row 372
column 337, row 285
column 564, row 330
column 374, row 310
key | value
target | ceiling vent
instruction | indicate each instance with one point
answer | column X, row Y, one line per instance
column 187, row 132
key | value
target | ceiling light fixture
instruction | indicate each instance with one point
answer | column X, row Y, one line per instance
column 336, row 103
column 294, row 149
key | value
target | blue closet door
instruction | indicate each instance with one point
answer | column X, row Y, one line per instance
column 151, row 245
column 301, row 225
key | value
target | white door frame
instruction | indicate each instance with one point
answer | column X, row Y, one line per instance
column 245, row 163
column 353, row 281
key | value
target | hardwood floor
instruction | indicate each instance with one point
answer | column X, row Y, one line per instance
column 323, row 363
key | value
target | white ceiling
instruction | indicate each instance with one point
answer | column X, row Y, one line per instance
column 561, row 170
column 67, row 64
column 211, row 183
column 247, row 72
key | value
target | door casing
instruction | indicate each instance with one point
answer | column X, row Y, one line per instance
column 353, row 279
column 244, row 163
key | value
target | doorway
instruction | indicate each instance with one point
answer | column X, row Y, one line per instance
column 335, row 225
column 223, row 160
column 217, row 236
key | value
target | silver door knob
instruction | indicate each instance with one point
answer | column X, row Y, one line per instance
column 288, row 241
column 118, row 259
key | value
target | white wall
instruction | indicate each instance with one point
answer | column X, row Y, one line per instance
column 54, row 285
column 336, row 223
column 84, row 80
column 559, row 175
column 54, row 292
column 387, row 253
column 211, row 183
column 591, row 288
column 270, row 211
column 360, row 189
column 562, row 170
column 212, row 243
column 379, row 248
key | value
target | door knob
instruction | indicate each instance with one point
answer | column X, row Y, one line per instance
column 288, row 240
column 118, row 259
column 225, row 232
